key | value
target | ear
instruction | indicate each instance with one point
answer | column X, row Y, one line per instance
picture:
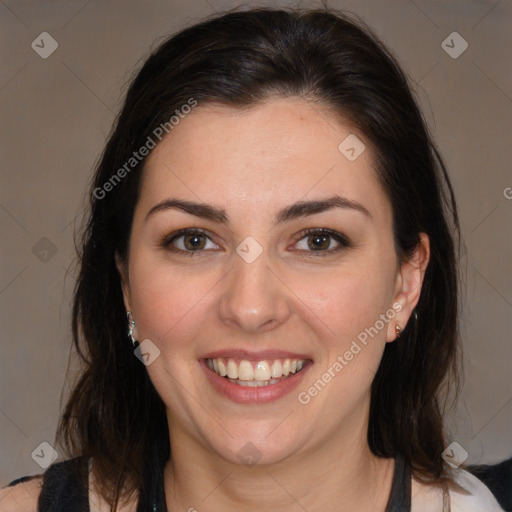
column 122, row 268
column 409, row 281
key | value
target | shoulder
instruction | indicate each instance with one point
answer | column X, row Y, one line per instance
column 469, row 495
column 476, row 497
column 22, row 496
column 64, row 483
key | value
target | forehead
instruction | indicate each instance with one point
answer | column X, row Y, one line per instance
column 278, row 152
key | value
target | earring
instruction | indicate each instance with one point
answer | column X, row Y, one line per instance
column 131, row 326
column 398, row 330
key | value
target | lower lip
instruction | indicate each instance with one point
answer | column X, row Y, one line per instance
column 256, row 395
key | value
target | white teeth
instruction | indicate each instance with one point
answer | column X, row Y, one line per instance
column 232, row 369
column 247, row 373
column 262, row 371
column 277, row 369
column 222, row 368
column 254, row 383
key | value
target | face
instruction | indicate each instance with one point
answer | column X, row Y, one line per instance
column 258, row 249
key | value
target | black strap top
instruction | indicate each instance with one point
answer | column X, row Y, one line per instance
column 66, row 489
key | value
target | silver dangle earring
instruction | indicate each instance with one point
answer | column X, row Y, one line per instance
column 131, row 326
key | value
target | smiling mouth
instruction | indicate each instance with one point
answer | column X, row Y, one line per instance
column 255, row 374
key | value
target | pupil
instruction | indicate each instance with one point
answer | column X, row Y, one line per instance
column 319, row 242
column 194, row 241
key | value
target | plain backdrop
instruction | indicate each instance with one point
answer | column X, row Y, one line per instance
column 56, row 113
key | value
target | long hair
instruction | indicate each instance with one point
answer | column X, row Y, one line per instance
column 240, row 59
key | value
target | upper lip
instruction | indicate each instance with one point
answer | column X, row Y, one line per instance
column 251, row 355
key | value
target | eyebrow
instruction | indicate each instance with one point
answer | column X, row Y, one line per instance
column 294, row 211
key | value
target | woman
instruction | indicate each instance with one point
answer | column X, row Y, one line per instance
column 272, row 223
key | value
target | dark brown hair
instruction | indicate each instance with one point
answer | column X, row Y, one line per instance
column 240, row 59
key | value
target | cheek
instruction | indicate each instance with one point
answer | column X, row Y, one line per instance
column 352, row 351
column 168, row 302
column 347, row 301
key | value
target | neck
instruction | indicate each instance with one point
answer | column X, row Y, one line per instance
column 350, row 476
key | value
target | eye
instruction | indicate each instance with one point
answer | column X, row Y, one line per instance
column 189, row 241
column 321, row 241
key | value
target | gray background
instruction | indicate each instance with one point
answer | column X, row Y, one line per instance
column 57, row 112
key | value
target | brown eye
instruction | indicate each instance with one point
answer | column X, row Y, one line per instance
column 321, row 241
column 189, row 241
column 193, row 241
column 317, row 242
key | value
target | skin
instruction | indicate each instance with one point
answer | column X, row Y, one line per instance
column 252, row 164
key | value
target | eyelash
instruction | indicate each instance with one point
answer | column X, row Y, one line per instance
column 343, row 241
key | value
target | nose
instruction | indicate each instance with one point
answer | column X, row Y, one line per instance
column 254, row 299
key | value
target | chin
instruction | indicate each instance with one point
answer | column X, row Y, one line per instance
column 256, row 449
